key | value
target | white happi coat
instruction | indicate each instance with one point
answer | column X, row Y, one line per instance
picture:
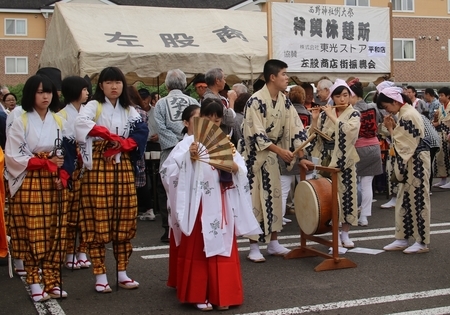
column 190, row 182
column 116, row 119
column 27, row 135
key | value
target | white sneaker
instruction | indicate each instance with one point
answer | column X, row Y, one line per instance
column 147, row 216
column 286, row 220
column 390, row 204
column 417, row 248
column 396, row 245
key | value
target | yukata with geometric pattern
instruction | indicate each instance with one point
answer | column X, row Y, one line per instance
column 412, row 169
column 264, row 124
column 442, row 164
column 343, row 156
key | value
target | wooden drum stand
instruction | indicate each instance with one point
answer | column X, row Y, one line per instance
column 332, row 261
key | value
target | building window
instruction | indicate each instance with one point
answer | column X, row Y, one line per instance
column 16, row 65
column 403, row 5
column 361, row 3
column 16, row 27
column 404, row 49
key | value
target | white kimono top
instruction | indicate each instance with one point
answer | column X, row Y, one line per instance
column 107, row 115
column 190, row 182
column 27, row 135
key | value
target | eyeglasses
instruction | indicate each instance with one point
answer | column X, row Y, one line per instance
column 201, row 86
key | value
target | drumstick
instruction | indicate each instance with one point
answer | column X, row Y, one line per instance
column 334, row 106
column 323, row 135
column 311, row 138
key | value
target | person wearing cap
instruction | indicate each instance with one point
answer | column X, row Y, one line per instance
column 411, row 171
column 342, row 123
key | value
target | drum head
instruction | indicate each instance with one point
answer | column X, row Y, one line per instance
column 313, row 205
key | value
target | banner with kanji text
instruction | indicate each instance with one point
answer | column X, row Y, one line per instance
column 330, row 38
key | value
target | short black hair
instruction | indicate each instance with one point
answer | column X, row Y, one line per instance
column 430, row 91
column 199, row 78
column 143, row 93
column 412, row 88
column 258, row 85
column 241, row 100
column 8, row 94
column 72, row 87
column 307, row 86
column 112, row 74
column 273, row 66
column 29, row 92
column 444, row 90
column 187, row 114
column 212, row 108
column 357, row 88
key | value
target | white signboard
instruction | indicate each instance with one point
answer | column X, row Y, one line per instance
column 331, row 38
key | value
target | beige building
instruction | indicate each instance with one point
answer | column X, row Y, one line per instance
column 421, row 35
column 22, row 36
column 421, row 38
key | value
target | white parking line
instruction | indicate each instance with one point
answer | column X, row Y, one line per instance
column 285, row 237
column 430, row 311
column 355, row 239
column 49, row 307
column 354, row 303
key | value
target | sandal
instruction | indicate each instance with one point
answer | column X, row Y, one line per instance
column 44, row 296
column 56, row 293
column 84, row 263
column 222, row 308
column 204, row 306
column 23, row 272
column 129, row 284
column 72, row 265
column 20, row 272
column 106, row 288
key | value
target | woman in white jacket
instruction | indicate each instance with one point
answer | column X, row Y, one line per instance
column 207, row 211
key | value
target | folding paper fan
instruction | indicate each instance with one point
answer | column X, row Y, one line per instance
column 214, row 146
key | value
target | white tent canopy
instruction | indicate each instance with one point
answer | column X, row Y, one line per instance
column 146, row 42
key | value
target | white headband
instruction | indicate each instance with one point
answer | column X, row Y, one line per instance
column 394, row 93
column 338, row 83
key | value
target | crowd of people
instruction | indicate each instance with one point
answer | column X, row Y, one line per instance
column 79, row 174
